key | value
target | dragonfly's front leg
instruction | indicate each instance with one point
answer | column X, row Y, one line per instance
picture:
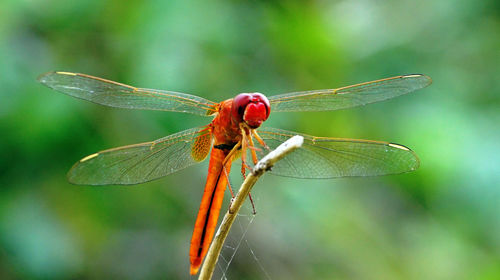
column 247, row 143
column 244, row 146
column 260, row 140
column 252, row 150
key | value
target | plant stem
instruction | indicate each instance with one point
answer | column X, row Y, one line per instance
column 260, row 168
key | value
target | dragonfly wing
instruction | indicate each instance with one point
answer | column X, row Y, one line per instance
column 322, row 157
column 143, row 162
column 115, row 94
column 350, row 96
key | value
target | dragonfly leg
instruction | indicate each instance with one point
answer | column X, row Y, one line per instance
column 246, row 142
column 244, row 146
column 228, row 183
column 253, row 205
column 254, row 212
column 228, row 158
column 232, row 153
column 244, row 168
column 259, row 139
column 252, row 150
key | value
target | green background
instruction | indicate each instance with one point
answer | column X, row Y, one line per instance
column 440, row 222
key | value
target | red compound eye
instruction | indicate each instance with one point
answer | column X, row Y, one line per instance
column 252, row 108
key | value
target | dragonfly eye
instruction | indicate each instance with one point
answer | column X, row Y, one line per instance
column 252, row 108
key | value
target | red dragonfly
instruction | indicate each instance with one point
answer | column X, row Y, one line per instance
column 231, row 135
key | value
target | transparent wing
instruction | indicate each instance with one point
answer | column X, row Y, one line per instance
column 322, row 157
column 143, row 162
column 350, row 96
column 115, row 94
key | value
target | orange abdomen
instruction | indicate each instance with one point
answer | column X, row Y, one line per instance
column 211, row 202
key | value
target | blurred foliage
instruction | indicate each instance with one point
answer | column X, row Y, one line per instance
column 440, row 222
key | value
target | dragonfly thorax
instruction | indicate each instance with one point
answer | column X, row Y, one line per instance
column 251, row 108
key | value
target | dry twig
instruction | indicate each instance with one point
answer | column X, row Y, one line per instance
column 260, row 168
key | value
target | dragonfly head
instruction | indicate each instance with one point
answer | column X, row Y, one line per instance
column 252, row 108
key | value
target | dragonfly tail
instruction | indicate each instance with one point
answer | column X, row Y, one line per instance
column 211, row 203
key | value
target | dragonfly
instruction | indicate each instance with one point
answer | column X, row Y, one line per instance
column 234, row 132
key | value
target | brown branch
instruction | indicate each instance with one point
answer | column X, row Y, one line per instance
column 260, row 168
